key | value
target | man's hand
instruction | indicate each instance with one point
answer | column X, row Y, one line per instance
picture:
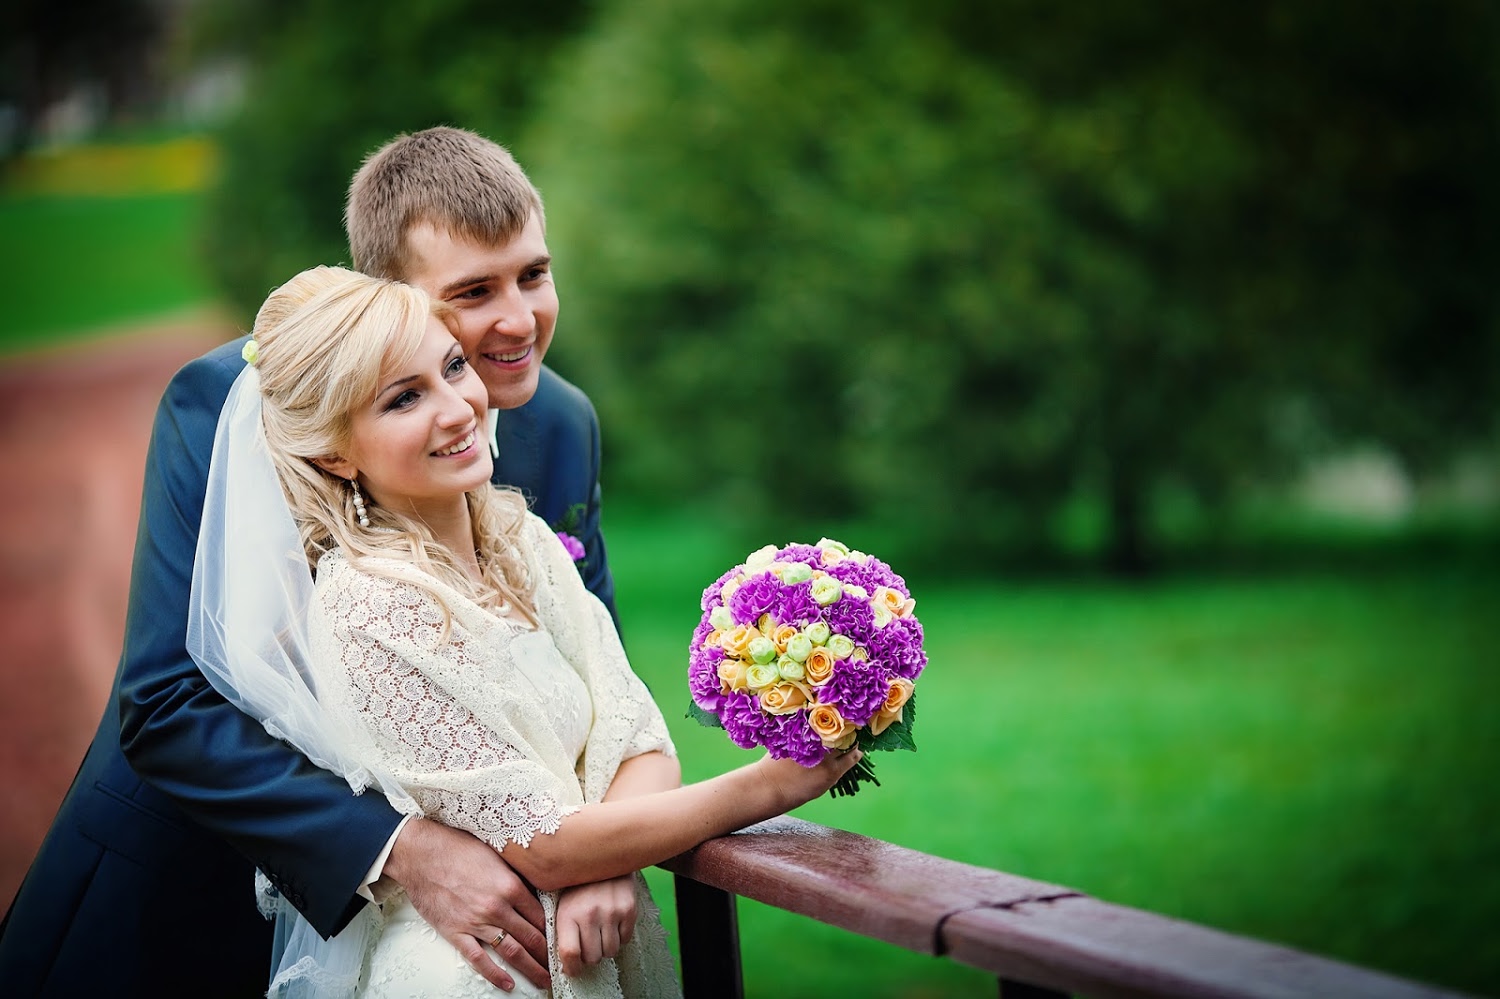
column 594, row 921
column 469, row 895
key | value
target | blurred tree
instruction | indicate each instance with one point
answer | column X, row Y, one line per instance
column 949, row 264
column 331, row 81
column 52, row 51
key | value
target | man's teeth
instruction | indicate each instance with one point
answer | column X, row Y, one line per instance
column 462, row 445
column 512, row 356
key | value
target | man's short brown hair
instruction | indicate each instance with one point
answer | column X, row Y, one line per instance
column 449, row 178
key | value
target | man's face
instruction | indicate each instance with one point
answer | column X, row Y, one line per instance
column 504, row 299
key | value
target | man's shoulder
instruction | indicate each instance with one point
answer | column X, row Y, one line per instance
column 209, row 375
column 553, row 391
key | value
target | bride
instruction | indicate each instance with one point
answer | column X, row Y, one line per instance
column 443, row 650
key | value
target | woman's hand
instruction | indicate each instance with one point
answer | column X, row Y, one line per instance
column 797, row 785
column 594, row 921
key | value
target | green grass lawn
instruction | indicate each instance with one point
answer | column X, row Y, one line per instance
column 1303, row 756
column 75, row 264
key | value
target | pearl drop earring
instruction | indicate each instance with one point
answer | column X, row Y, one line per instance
column 359, row 505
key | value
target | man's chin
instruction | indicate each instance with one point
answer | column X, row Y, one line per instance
column 513, row 393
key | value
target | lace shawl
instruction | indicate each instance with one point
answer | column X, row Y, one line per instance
column 466, row 726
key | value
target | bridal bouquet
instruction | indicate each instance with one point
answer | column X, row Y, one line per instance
column 809, row 648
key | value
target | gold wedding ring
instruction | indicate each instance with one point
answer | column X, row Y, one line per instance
column 499, row 937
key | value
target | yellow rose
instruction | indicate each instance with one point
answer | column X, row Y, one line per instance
column 894, row 602
column 819, row 666
column 730, row 589
column 732, row 675
column 783, row 698
column 714, row 640
column 895, row 701
column 831, row 728
column 783, row 634
column 736, row 642
column 831, row 557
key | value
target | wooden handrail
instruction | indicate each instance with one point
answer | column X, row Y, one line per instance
column 1036, row 938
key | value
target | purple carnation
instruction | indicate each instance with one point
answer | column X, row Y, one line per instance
column 789, row 737
column 807, row 554
column 796, row 605
column 898, row 647
column 850, row 616
column 872, row 574
column 716, row 590
column 703, row 676
column 858, row 688
column 743, row 720
column 758, row 596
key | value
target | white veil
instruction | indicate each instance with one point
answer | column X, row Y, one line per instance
column 250, row 619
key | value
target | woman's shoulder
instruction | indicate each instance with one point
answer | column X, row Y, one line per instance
column 373, row 583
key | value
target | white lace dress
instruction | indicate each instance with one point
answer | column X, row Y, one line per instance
column 500, row 730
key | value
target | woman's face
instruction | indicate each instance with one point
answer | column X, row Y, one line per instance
column 421, row 443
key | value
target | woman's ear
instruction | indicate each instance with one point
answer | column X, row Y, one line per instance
column 334, row 465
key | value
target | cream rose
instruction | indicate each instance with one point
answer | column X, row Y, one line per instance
column 732, row 675
column 783, row 698
column 818, row 666
column 898, row 605
column 831, row 727
column 736, row 642
column 895, row 702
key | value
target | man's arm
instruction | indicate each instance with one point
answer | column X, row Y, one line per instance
column 299, row 824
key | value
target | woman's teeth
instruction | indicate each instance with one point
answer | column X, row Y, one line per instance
column 462, row 445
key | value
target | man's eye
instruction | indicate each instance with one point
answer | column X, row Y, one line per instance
column 534, row 275
column 470, row 294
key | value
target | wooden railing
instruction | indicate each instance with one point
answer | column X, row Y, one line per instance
column 1037, row 939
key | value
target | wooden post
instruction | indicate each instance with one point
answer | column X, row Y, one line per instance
column 708, row 935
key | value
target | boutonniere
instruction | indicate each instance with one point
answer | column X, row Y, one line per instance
column 566, row 528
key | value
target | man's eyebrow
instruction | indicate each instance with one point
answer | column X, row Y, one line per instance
column 463, row 282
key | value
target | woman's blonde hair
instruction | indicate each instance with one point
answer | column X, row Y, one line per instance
column 322, row 340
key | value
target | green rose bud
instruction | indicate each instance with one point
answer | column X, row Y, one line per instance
column 799, row 647
column 882, row 614
column 796, row 572
column 838, row 546
column 761, row 675
column 720, row 618
column 827, row 590
column 760, row 558
column 817, row 633
column 841, row 646
column 790, row 669
column 762, row 650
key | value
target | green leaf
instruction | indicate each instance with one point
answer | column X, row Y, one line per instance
column 898, row 736
column 703, row 717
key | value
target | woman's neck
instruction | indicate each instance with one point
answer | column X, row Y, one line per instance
column 453, row 528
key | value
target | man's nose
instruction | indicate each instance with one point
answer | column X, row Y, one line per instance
column 512, row 317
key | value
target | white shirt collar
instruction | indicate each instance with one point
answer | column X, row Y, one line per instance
column 492, row 425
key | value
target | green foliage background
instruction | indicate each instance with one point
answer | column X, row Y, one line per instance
column 963, row 268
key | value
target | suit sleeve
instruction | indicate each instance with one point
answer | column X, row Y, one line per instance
column 596, row 575
column 301, row 825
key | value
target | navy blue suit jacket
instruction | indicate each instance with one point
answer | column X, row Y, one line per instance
column 144, row 884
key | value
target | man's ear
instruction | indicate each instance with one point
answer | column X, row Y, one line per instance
column 334, row 465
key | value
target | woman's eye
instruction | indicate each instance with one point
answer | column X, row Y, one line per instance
column 457, row 365
column 403, row 400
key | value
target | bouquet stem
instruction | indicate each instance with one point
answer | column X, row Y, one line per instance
column 861, row 773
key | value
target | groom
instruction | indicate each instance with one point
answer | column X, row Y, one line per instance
column 144, row 884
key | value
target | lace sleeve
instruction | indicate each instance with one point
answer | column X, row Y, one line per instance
column 441, row 717
column 627, row 721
